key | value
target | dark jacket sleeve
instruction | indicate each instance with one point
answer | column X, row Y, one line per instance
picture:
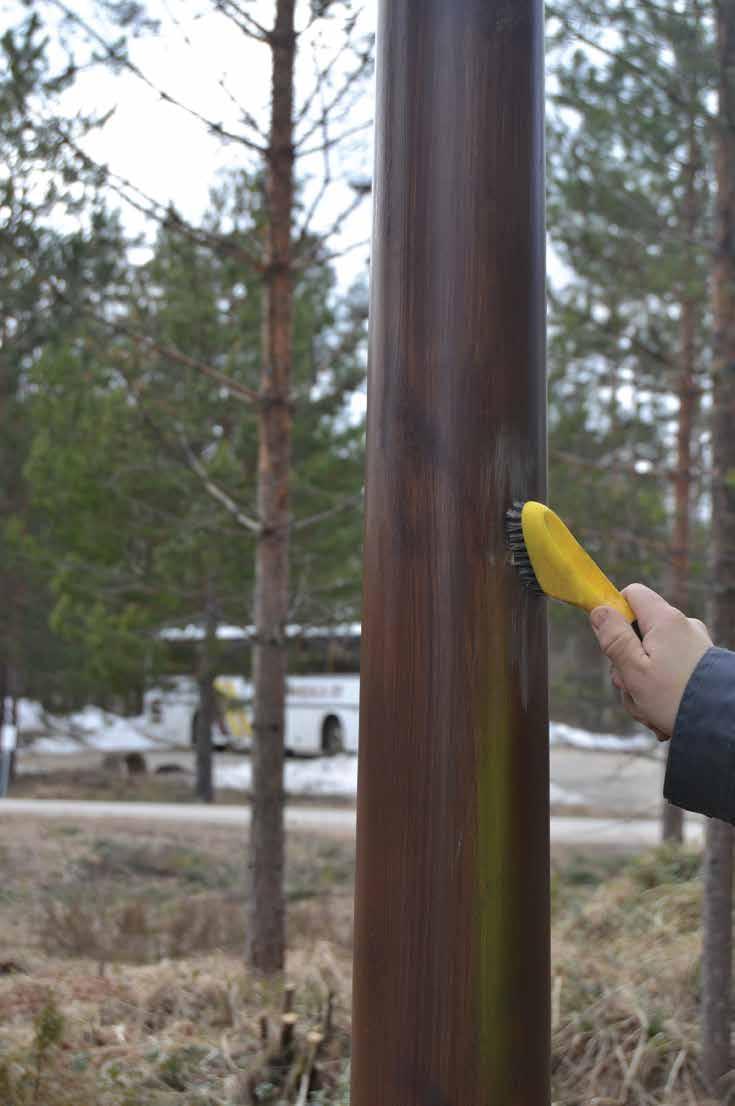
column 700, row 774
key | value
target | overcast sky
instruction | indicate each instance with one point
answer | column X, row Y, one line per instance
column 201, row 59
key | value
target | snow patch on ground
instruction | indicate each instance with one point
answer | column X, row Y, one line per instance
column 31, row 717
column 320, row 776
column 57, row 746
column 105, row 730
column 561, row 734
column 94, row 728
column 89, row 720
column 334, row 776
column 116, row 734
column 559, row 796
column 90, row 728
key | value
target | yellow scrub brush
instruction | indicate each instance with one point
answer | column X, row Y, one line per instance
column 551, row 561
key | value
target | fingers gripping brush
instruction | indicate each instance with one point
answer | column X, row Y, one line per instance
column 550, row 561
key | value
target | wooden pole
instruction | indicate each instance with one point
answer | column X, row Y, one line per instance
column 451, row 999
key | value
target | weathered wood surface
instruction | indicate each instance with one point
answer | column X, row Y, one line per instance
column 451, row 1003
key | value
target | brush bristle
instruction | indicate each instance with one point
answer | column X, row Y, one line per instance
column 517, row 546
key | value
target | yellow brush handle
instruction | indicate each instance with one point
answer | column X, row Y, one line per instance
column 563, row 569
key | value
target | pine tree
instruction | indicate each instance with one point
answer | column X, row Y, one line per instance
column 38, row 184
column 145, row 469
column 293, row 134
column 629, row 217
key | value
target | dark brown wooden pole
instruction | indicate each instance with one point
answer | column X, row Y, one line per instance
column 451, row 1001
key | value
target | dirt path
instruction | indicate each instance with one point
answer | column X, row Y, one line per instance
column 619, row 784
column 630, row 832
column 602, row 784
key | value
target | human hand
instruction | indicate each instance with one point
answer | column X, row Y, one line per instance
column 651, row 675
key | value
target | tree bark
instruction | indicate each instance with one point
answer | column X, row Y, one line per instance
column 4, row 691
column 266, row 929
column 207, row 712
column 451, row 978
column 205, row 720
column 672, row 816
column 717, row 916
column 717, row 952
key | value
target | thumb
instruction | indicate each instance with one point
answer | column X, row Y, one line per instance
column 619, row 642
column 648, row 605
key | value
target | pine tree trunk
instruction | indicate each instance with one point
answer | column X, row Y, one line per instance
column 5, row 713
column 266, row 930
column 11, row 715
column 717, row 952
column 205, row 721
column 4, row 686
column 672, row 816
column 14, row 754
column 207, row 711
column 717, row 920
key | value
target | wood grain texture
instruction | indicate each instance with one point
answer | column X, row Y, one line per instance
column 451, row 1002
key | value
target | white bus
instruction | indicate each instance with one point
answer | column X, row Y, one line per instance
column 322, row 713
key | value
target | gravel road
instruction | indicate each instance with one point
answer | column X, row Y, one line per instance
column 609, row 784
column 628, row 833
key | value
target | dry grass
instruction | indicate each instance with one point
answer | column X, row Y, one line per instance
column 133, row 936
column 626, row 955
column 85, row 779
column 98, row 784
column 135, row 939
column 197, row 1031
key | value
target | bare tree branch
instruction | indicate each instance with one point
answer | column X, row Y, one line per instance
column 248, row 119
column 326, row 176
column 154, row 209
column 332, row 142
column 334, row 254
column 315, row 204
column 215, row 127
column 214, row 490
column 640, row 71
column 315, row 251
column 321, row 9
column 329, row 106
column 311, row 520
column 121, row 59
column 242, row 19
column 190, row 459
column 633, row 337
column 170, row 353
column 321, row 76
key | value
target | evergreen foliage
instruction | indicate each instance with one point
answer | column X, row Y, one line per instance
column 128, row 444
column 630, row 210
column 40, row 185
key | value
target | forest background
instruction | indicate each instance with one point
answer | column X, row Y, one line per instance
column 132, row 314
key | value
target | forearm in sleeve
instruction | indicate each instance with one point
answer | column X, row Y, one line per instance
column 700, row 774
